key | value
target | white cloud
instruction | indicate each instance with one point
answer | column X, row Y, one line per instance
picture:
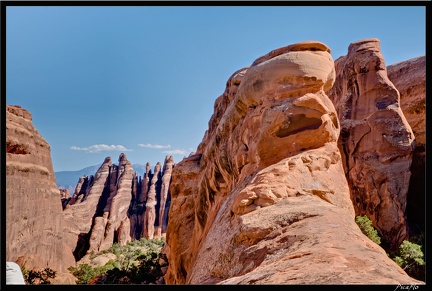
column 154, row 146
column 175, row 152
column 97, row 148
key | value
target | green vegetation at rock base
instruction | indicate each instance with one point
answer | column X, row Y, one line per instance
column 409, row 255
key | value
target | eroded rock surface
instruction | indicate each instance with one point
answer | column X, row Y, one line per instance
column 34, row 228
column 264, row 199
column 78, row 216
column 116, row 210
column 110, row 207
column 150, row 206
column 409, row 77
column 164, row 200
column 376, row 141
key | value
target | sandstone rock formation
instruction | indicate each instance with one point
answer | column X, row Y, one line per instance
column 64, row 197
column 117, row 228
column 376, row 140
column 34, row 227
column 79, row 189
column 145, row 184
column 78, row 216
column 110, row 207
column 264, row 199
column 164, row 202
column 137, row 213
column 409, row 77
column 64, row 194
column 134, row 217
column 101, row 217
column 150, row 211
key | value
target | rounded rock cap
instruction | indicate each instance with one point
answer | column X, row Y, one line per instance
column 364, row 44
column 309, row 45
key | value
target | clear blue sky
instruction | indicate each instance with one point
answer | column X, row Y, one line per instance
column 143, row 80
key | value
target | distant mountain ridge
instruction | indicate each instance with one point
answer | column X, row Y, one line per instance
column 69, row 179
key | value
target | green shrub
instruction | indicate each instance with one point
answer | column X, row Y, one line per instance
column 84, row 273
column 148, row 271
column 111, row 264
column 92, row 255
column 365, row 225
column 34, row 277
column 410, row 258
column 137, row 262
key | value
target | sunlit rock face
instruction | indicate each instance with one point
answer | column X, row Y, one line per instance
column 164, row 200
column 376, row 141
column 101, row 216
column 117, row 228
column 98, row 216
column 34, row 224
column 264, row 199
column 117, row 206
column 409, row 77
column 83, row 211
column 150, row 212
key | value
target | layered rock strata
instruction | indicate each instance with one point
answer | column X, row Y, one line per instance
column 117, row 225
column 264, row 199
column 116, row 206
column 78, row 215
column 376, row 140
column 34, row 228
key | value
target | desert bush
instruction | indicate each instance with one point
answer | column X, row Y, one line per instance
column 92, row 255
column 85, row 272
column 365, row 225
column 137, row 262
column 148, row 271
column 35, row 277
column 410, row 258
